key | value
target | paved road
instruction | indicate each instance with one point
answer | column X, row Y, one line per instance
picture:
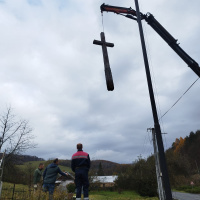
column 185, row 196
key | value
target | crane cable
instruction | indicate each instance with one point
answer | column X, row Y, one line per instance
column 102, row 21
column 178, row 99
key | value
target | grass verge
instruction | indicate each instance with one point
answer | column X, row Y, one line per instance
column 125, row 195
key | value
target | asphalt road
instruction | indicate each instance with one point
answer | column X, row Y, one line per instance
column 185, row 196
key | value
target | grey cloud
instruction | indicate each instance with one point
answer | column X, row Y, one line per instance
column 53, row 75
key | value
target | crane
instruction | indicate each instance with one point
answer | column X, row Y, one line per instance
column 166, row 36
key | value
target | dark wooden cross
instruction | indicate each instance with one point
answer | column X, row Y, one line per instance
column 108, row 73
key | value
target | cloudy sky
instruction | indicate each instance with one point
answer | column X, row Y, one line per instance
column 52, row 75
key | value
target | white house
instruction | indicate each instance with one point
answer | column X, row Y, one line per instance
column 105, row 181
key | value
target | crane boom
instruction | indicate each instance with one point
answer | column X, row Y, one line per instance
column 117, row 10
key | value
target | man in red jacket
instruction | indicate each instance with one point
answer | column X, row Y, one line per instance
column 80, row 164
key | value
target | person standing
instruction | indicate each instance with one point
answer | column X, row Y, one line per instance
column 49, row 177
column 80, row 164
column 37, row 176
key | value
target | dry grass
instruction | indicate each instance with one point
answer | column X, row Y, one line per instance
column 19, row 192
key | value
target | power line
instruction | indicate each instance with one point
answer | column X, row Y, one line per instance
column 179, row 99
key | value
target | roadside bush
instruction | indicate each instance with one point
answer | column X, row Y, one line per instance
column 189, row 189
column 140, row 177
column 182, row 188
column 147, row 188
column 95, row 185
column 195, row 190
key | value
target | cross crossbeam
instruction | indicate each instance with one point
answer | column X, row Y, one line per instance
column 108, row 73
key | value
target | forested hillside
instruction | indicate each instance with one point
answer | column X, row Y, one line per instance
column 20, row 159
column 183, row 161
column 189, row 148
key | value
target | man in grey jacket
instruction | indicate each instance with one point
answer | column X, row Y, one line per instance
column 49, row 177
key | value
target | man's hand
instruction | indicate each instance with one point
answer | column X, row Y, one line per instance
column 66, row 173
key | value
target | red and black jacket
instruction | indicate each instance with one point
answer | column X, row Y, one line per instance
column 80, row 159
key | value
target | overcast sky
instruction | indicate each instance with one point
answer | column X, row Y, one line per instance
column 52, row 75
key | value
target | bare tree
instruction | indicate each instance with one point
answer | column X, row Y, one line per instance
column 15, row 134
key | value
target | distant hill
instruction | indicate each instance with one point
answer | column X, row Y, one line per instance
column 21, row 159
column 94, row 163
column 109, row 168
column 105, row 163
column 34, row 164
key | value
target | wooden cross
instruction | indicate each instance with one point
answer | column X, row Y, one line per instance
column 108, row 73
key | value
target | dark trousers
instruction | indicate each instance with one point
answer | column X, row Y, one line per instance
column 81, row 180
column 49, row 187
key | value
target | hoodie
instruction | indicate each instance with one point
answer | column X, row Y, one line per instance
column 50, row 173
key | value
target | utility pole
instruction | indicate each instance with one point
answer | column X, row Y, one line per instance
column 161, row 192
column 163, row 165
column 2, row 160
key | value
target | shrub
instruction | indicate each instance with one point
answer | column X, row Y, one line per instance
column 189, row 189
column 71, row 187
column 147, row 188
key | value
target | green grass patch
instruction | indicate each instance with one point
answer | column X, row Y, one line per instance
column 124, row 195
column 65, row 169
column 9, row 190
column 35, row 164
column 11, row 185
